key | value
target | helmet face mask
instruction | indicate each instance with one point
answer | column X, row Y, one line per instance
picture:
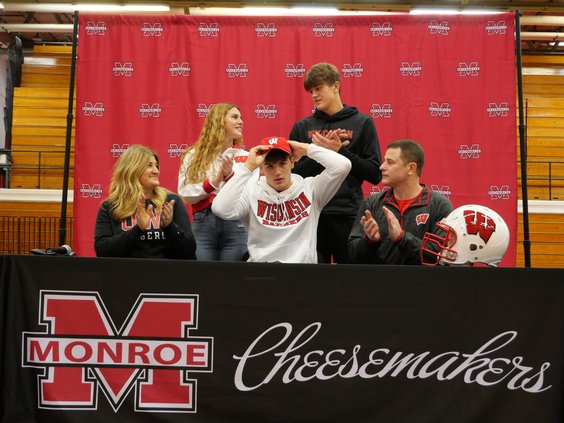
column 473, row 234
column 439, row 247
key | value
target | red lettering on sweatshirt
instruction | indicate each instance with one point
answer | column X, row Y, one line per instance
column 154, row 221
column 286, row 213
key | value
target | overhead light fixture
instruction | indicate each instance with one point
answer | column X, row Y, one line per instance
column 431, row 11
column 35, row 28
column 278, row 11
column 315, row 11
column 131, row 8
column 262, row 11
column 93, row 8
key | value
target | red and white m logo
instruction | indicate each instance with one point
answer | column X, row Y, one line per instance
column 381, row 110
column 440, row 110
column 294, row 71
column 442, row 189
column 122, row 69
column 95, row 28
column 267, row 111
column 469, row 151
column 93, row 109
column 91, row 191
column 150, row 110
column 410, row 69
column 323, row 30
column 237, row 71
column 499, row 192
column 352, row 71
column 152, row 30
column 495, row 109
column 268, row 30
column 381, row 30
column 495, row 28
column 468, row 69
column 211, row 30
column 83, row 352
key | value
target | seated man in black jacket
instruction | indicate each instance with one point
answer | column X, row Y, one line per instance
column 390, row 225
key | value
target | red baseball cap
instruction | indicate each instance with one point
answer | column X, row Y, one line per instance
column 278, row 143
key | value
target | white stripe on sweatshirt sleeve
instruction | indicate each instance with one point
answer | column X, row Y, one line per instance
column 327, row 183
column 231, row 202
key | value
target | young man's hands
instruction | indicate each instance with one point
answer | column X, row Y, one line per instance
column 332, row 141
column 256, row 156
column 258, row 153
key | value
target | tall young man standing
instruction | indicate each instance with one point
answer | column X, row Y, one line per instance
column 358, row 142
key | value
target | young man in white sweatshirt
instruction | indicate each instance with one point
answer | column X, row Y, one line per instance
column 281, row 208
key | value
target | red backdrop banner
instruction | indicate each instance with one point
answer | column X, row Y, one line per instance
column 447, row 82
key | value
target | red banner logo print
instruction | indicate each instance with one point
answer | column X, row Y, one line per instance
column 91, row 191
column 93, row 109
column 468, row 69
column 440, row 110
column 496, row 28
column 175, row 150
column 237, row 71
column 499, row 192
column 410, row 69
column 323, row 30
column 376, row 190
column 82, row 352
column 211, row 30
column 294, row 71
column 122, row 69
column 267, row 111
column 495, row 109
column 442, row 189
column 266, row 30
column 469, row 151
column 352, row 71
column 152, row 30
column 440, row 28
column 203, row 109
column 381, row 110
column 118, row 149
column 179, row 69
column 95, row 28
column 150, row 110
column 381, row 30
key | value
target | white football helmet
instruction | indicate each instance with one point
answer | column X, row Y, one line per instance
column 473, row 234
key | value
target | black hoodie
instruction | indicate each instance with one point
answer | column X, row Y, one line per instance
column 363, row 151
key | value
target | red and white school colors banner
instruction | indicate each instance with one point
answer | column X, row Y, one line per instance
column 447, row 82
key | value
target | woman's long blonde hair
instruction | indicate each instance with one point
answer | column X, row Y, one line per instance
column 209, row 144
column 125, row 188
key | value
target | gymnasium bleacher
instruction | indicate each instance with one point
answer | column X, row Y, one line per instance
column 38, row 142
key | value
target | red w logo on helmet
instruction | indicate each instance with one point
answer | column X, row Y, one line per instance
column 478, row 223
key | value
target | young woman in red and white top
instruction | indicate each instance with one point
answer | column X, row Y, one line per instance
column 205, row 168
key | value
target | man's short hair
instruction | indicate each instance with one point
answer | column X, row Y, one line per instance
column 276, row 155
column 410, row 152
column 321, row 73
